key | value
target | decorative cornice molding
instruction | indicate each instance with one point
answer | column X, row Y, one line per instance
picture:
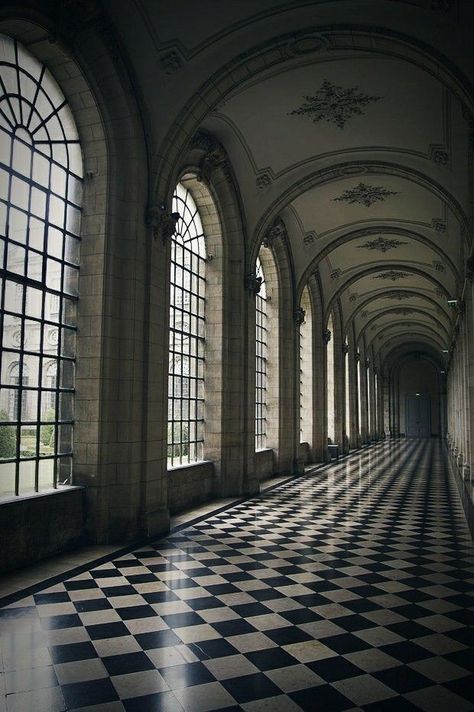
column 364, row 194
column 162, row 222
column 263, row 180
column 275, row 232
column 382, row 244
column 309, row 237
column 252, row 283
column 439, row 225
column 299, row 315
column 334, row 104
column 171, row 62
column 327, row 336
column 439, row 154
column 307, row 44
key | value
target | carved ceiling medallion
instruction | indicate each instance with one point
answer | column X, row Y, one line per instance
column 334, row 104
column 381, row 244
column 393, row 275
column 364, row 194
column 399, row 296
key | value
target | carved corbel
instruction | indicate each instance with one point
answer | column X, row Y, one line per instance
column 299, row 316
column 357, row 357
column 345, row 348
column 252, row 283
column 274, row 232
column 327, row 336
column 162, row 222
column 214, row 155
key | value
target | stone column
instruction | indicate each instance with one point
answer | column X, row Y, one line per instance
column 339, row 391
column 364, row 429
column 250, row 483
column 354, row 358
column 320, row 438
column 469, row 321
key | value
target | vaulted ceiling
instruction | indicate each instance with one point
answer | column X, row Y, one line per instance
column 348, row 120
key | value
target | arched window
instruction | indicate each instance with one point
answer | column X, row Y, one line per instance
column 187, row 334
column 261, row 362
column 330, row 380
column 40, row 212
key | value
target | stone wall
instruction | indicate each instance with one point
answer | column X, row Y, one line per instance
column 190, row 485
column 35, row 527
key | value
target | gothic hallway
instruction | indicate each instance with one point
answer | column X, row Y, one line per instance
column 348, row 588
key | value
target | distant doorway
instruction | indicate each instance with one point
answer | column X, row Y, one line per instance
column 418, row 416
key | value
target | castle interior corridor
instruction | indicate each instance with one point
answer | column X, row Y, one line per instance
column 237, row 355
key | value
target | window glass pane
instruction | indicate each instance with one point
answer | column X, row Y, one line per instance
column 261, row 361
column 36, row 184
column 187, row 335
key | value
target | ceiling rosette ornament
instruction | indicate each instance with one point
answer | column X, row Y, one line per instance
column 334, row 104
column 393, row 275
column 363, row 194
column 399, row 296
column 382, row 244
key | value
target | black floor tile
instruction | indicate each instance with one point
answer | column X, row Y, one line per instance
column 91, row 692
column 251, row 687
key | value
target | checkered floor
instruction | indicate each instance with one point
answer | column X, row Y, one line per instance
column 348, row 589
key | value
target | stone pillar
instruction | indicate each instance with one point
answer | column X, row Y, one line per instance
column 250, row 483
column 339, row 391
column 364, row 426
column 354, row 359
column 320, row 437
column 469, row 321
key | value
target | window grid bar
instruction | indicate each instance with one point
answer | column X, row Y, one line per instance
column 261, row 335
column 187, row 335
column 36, row 303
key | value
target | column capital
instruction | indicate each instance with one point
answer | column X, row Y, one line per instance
column 327, row 336
column 299, row 315
column 275, row 232
column 252, row 284
column 161, row 221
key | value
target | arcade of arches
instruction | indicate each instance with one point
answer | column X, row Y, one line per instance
column 236, row 240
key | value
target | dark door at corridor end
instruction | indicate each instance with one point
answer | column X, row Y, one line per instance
column 418, row 418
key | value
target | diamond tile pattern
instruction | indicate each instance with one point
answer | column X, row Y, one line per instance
column 348, row 588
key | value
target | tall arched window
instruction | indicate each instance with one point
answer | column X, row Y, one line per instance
column 261, row 362
column 187, row 334
column 330, row 379
column 40, row 212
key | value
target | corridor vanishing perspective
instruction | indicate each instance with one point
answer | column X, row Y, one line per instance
column 348, row 588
